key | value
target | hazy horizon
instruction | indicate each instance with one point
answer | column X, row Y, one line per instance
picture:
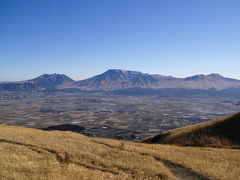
column 85, row 38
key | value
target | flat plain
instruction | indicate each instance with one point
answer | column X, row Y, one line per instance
column 111, row 116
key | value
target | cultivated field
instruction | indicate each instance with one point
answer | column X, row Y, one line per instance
column 102, row 115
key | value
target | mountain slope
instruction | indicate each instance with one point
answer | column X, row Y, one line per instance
column 222, row 133
column 115, row 79
column 35, row 154
column 15, row 86
column 207, row 81
column 50, row 80
column 121, row 79
column 44, row 81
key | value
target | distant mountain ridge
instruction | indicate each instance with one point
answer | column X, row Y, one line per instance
column 117, row 79
column 51, row 80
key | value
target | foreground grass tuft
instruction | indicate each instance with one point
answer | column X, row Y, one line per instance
column 64, row 158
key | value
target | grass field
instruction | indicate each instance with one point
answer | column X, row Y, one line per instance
column 35, row 154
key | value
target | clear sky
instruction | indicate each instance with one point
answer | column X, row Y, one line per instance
column 82, row 38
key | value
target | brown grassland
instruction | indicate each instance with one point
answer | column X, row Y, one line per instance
column 35, row 154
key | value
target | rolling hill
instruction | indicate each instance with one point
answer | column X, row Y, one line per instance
column 223, row 133
column 36, row 154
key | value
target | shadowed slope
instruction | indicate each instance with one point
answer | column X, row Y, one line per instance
column 66, row 127
column 222, row 132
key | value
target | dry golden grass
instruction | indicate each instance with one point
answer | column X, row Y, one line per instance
column 212, row 163
column 35, row 154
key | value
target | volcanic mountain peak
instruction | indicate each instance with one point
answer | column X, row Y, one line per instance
column 49, row 80
column 201, row 77
column 132, row 74
column 121, row 72
column 115, row 74
column 116, row 71
column 119, row 79
column 215, row 75
column 196, row 77
column 52, row 76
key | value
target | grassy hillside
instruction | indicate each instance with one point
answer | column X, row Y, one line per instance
column 36, row 154
column 224, row 133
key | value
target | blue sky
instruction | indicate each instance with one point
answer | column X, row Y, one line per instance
column 82, row 38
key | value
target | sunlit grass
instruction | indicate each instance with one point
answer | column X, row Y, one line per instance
column 36, row 154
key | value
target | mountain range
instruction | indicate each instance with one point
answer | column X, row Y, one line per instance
column 117, row 79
